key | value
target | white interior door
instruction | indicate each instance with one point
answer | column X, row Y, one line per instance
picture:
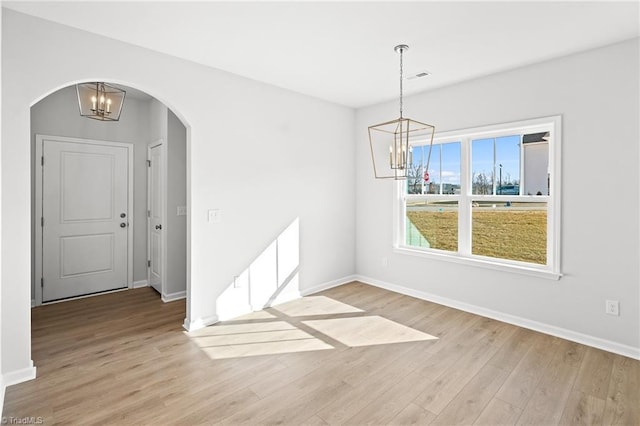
column 85, row 218
column 155, row 211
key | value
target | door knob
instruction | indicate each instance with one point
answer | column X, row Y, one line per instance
column 123, row 215
column 123, row 225
column 158, row 226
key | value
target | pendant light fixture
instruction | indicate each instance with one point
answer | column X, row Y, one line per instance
column 391, row 142
column 100, row 101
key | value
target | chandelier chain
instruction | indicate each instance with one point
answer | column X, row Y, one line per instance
column 401, row 70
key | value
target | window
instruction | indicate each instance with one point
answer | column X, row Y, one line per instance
column 489, row 196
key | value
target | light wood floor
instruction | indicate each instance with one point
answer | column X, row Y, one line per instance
column 354, row 354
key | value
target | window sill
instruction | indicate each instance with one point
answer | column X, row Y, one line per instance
column 482, row 263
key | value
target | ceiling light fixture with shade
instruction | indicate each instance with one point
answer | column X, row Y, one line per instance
column 100, row 101
column 391, row 142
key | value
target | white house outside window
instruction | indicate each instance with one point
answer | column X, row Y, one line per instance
column 492, row 197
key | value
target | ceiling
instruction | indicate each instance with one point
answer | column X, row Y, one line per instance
column 342, row 52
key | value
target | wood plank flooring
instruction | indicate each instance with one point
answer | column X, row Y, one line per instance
column 351, row 355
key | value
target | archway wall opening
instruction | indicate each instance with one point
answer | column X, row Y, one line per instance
column 263, row 157
column 144, row 120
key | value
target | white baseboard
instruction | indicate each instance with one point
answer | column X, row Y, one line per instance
column 174, row 296
column 19, row 376
column 329, row 284
column 199, row 323
column 596, row 342
column 140, row 284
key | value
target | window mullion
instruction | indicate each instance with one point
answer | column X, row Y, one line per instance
column 522, row 182
column 440, row 172
column 493, row 176
column 464, row 206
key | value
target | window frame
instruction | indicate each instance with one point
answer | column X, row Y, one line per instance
column 552, row 269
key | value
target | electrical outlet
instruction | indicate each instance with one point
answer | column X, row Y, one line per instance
column 612, row 307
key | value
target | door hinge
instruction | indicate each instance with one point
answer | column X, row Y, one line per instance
column 148, row 163
column 148, row 213
column 42, row 222
column 42, row 282
column 148, row 264
column 42, row 160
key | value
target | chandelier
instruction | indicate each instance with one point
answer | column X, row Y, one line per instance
column 100, row 101
column 391, row 142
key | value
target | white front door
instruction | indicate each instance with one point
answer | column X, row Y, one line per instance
column 155, row 215
column 85, row 218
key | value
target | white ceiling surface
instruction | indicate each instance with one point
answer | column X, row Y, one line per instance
column 343, row 51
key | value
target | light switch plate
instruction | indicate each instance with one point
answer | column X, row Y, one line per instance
column 214, row 216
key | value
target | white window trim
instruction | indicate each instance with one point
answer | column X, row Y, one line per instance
column 550, row 271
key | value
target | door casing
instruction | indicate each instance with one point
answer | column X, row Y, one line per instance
column 40, row 140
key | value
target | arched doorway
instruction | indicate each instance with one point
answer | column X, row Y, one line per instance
column 145, row 122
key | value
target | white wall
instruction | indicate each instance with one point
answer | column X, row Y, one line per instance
column 596, row 92
column 157, row 121
column 263, row 155
column 57, row 114
column 176, row 279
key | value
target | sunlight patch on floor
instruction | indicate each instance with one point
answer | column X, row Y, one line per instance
column 311, row 323
column 367, row 331
column 315, row 305
column 252, row 339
